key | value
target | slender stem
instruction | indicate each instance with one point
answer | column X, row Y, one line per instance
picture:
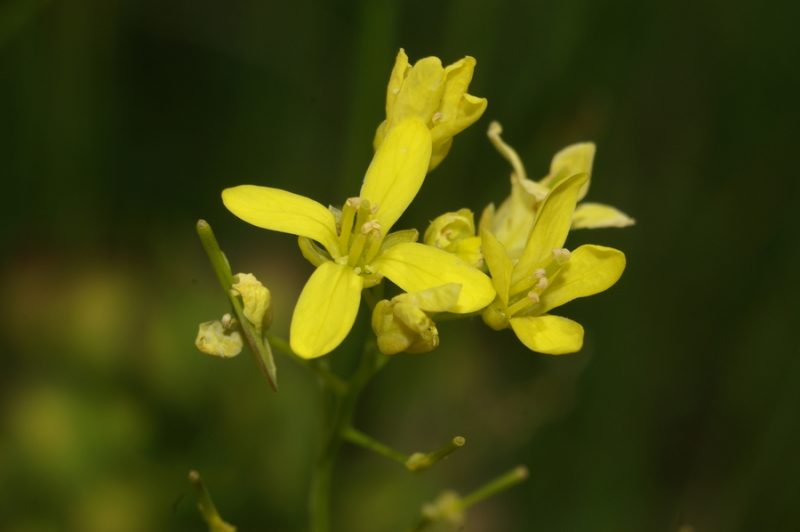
column 207, row 507
column 501, row 483
column 357, row 437
column 422, row 461
column 344, row 408
column 450, row 507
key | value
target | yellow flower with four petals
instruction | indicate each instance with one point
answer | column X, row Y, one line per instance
column 546, row 275
column 358, row 251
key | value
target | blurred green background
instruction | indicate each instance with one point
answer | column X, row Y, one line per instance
column 122, row 121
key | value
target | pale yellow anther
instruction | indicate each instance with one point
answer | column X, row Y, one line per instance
column 372, row 226
column 542, row 283
column 354, row 202
column 437, row 117
column 533, row 296
column 561, row 255
column 539, row 273
column 228, row 322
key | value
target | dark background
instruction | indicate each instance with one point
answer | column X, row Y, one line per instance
column 121, row 121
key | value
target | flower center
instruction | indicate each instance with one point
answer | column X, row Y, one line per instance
column 360, row 234
column 526, row 293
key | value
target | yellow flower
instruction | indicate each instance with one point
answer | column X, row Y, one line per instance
column 546, row 275
column 358, row 251
column 436, row 95
column 404, row 323
column 512, row 221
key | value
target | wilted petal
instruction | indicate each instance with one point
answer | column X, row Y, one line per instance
column 597, row 215
column 590, row 270
column 416, row 267
column 326, row 310
column 213, row 339
column 551, row 335
column 279, row 210
column 256, row 300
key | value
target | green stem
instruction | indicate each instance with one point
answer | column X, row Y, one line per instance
column 451, row 509
column 501, row 483
column 206, row 505
column 357, row 437
column 343, row 410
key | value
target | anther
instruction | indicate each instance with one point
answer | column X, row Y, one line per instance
column 533, row 296
column 371, row 226
column 561, row 255
column 437, row 116
column 354, row 202
column 539, row 273
column 542, row 283
column 227, row 321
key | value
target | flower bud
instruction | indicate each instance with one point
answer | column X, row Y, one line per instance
column 256, row 300
column 455, row 232
column 402, row 327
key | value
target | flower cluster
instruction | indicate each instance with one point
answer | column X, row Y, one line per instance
column 513, row 268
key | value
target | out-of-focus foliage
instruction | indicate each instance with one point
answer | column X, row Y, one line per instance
column 122, row 122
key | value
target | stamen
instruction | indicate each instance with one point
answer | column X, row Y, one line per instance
column 539, row 273
column 533, row 296
column 348, row 217
column 227, row 321
column 437, row 117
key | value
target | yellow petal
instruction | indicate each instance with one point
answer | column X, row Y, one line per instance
column 596, row 215
column 416, row 267
column 551, row 335
column 590, row 270
column 397, row 170
column 437, row 299
column 574, row 159
column 421, row 92
column 399, row 72
column 279, row 210
column 552, row 224
column 326, row 310
column 499, row 263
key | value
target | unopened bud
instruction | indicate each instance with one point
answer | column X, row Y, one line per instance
column 454, row 232
column 402, row 327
